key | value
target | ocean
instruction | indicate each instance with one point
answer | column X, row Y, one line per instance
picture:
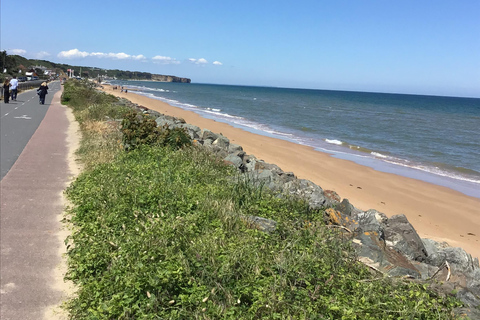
column 430, row 138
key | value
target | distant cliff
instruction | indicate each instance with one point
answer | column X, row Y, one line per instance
column 163, row 78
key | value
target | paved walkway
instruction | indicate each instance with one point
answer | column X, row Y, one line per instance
column 31, row 209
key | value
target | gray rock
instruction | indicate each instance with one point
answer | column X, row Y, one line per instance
column 234, row 160
column 262, row 165
column 249, row 163
column 467, row 313
column 234, row 148
column 345, row 207
column 259, row 223
column 398, row 271
column 209, row 135
column 370, row 221
column 222, row 142
column 193, row 131
column 469, row 298
column 473, row 282
column 306, row 189
column 153, row 113
column 287, row 176
column 433, row 246
column 401, row 235
column 459, row 260
column 373, row 252
column 267, row 178
column 332, row 195
column 162, row 122
column 426, row 271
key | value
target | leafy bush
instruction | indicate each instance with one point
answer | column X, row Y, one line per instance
column 140, row 129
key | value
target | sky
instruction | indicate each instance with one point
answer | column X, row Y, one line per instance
column 419, row 47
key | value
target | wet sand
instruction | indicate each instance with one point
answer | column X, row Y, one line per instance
column 436, row 212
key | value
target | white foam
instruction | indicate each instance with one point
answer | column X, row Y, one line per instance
column 214, row 109
column 334, row 141
column 379, row 155
column 436, row 171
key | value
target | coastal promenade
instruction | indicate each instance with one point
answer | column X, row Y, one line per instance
column 32, row 204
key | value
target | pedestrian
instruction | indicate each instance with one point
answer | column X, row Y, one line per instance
column 126, row 90
column 42, row 92
column 14, row 88
column 6, row 91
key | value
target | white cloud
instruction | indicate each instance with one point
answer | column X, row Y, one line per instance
column 98, row 54
column 74, row 53
column 198, row 61
column 165, row 60
column 217, row 63
column 42, row 54
column 139, row 57
column 111, row 55
column 17, row 51
column 120, row 55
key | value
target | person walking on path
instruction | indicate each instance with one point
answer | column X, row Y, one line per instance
column 14, row 88
column 31, row 234
column 42, row 92
column 6, row 91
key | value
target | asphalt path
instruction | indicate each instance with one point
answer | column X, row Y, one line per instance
column 35, row 136
column 18, row 122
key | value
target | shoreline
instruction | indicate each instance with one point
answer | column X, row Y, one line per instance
column 436, row 212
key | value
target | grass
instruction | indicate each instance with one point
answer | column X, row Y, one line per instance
column 160, row 233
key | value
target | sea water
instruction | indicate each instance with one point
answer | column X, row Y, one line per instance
column 430, row 138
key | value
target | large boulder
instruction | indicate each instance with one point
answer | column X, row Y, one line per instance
column 373, row 253
column 222, row 142
column 193, row 131
column 459, row 259
column 234, row 148
column 234, row 160
column 249, row 163
column 163, row 122
column 209, row 135
column 309, row 191
column 401, row 235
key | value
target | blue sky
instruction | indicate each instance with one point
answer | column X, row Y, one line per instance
column 420, row 47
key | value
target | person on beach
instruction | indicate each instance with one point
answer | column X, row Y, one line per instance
column 42, row 92
column 6, row 91
column 14, row 88
column 126, row 90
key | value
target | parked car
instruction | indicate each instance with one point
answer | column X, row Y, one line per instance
column 22, row 79
column 34, row 78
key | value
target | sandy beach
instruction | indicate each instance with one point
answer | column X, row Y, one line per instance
column 436, row 212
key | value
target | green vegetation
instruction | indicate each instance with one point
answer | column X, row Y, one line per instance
column 139, row 129
column 160, row 232
column 14, row 62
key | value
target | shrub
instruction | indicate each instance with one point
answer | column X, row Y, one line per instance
column 140, row 129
